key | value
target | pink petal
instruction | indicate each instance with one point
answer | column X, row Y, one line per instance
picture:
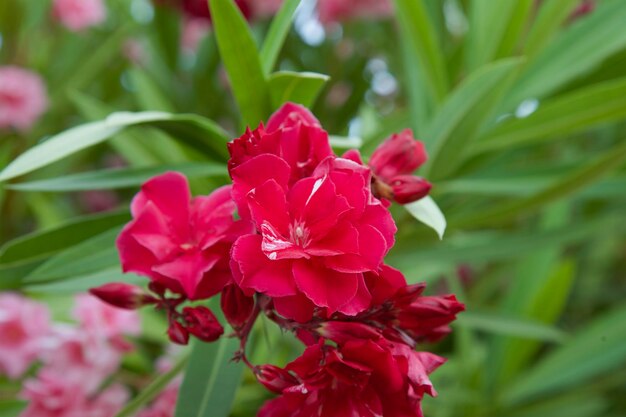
column 372, row 248
column 325, row 287
column 189, row 270
column 256, row 271
column 296, row 307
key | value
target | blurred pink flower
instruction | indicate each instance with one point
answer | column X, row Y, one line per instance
column 85, row 358
column 97, row 316
column 77, row 15
column 23, row 98
column 331, row 11
column 23, row 325
column 194, row 30
column 52, row 395
column 264, row 8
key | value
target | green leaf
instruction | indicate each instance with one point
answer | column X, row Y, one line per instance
column 560, row 116
column 462, row 115
column 579, row 49
column 571, row 183
column 44, row 243
column 147, row 92
column 488, row 22
column 298, row 87
column 193, row 130
column 510, row 326
column 427, row 212
column 594, row 350
column 120, row 178
column 241, row 59
column 83, row 283
column 150, row 392
column 277, row 34
column 211, row 380
column 345, row 142
column 550, row 18
column 92, row 255
column 415, row 25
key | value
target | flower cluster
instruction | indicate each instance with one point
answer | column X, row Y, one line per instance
column 73, row 362
column 23, row 98
column 77, row 15
column 300, row 236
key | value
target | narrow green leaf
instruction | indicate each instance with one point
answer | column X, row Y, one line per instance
column 578, row 180
column 462, row 115
column 427, row 212
column 211, row 380
column 147, row 92
column 193, row 130
column 549, row 20
column 416, row 26
column 298, row 87
column 510, row 326
column 150, row 392
column 45, row 243
column 241, row 59
column 278, row 31
column 488, row 21
column 594, row 350
column 90, row 256
column 83, row 283
column 345, row 142
column 120, row 178
column 582, row 47
column 563, row 115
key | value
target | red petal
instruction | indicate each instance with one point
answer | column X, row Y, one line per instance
column 325, row 287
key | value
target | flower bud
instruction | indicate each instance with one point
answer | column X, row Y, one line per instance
column 409, row 188
column 341, row 332
column 202, row 323
column 236, row 306
column 274, row 378
column 400, row 154
column 178, row 333
column 123, row 295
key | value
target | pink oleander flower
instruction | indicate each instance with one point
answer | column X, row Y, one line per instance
column 51, row 395
column 165, row 403
column 180, row 242
column 77, row 15
column 360, row 377
column 24, row 324
column 23, row 98
column 95, row 315
column 316, row 239
column 331, row 11
column 81, row 356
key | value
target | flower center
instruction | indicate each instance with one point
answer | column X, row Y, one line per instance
column 299, row 234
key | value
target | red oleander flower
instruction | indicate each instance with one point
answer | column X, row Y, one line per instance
column 359, row 377
column 180, row 242
column 293, row 134
column 316, row 239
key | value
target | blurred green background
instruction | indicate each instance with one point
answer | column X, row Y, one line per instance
column 521, row 104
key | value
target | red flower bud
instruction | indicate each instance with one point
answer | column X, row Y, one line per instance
column 274, row 378
column 400, row 154
column 178, row 333
column 341, row 332
column 236, row 306
column 123, row 295
column 202, row 323
column 409, row 188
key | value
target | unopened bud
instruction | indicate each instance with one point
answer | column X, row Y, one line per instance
column 178, row 333
column 274, row 378
column 408, row 188
column 123, row 295
column 400, row 154
column 341, row 332
column 236, row 306
column 202, row 323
